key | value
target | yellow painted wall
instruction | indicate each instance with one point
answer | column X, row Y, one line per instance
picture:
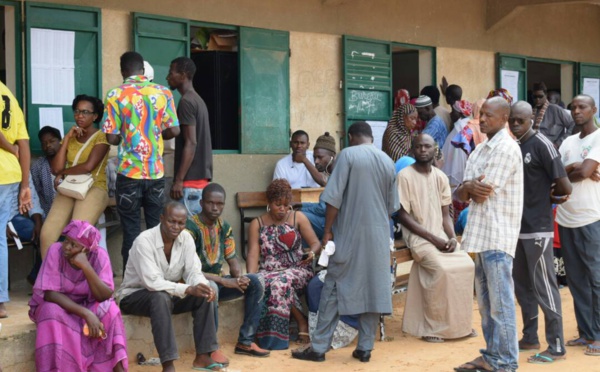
column 561, row 31
column 473, row 70
column 116, row 40
column 315, row 94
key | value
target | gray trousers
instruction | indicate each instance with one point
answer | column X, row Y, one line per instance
column 159, row 306
column 581, row 252
column 535, row 284
column 329, row 317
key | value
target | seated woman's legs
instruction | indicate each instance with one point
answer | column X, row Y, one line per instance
column 91, row 208
column 303, row 337
column 57, row 219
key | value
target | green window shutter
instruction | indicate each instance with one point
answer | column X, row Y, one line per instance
column 512, row 63
column 160, row 40
column 264, row 91
column 367, row 79
column 86, row 23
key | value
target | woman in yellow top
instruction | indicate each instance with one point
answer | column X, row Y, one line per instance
column 87, row 111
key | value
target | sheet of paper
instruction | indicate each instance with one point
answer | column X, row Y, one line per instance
column 591, row 87
column 17, row 239
column 52, row 67
column 509, row 80
column 53, row 117
column 378, row 127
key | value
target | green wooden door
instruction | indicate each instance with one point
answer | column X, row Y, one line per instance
column 160, row 40
column 86, row 24
column 264, row 91
column 588, row 81
column 512, row 75
column 367, row 80
column 14, row 82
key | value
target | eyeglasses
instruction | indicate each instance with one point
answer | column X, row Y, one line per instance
column 83, row 112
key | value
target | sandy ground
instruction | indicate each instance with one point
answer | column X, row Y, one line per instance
column 404, row 353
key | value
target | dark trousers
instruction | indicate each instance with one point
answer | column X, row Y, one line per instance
column 253, row 306
column 132, row 195
column 581, row 252
column 159, row 306
column 535, row 284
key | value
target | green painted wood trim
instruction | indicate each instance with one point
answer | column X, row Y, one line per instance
column 585, row 70
column 226, row 152
column 213, row 25
column 18, row 50
column 58, row 24
column 137, row 33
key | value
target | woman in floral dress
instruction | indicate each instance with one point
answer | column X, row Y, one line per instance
column 275, row 253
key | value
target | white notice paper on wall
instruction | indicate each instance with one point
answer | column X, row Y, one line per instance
column 52, row 67
column 591, row 87
column 509, row 80
column 378, row 127
column 52, row 117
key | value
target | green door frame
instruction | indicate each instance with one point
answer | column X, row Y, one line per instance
column 54, row 24
column 433, row 51
column 18, row 48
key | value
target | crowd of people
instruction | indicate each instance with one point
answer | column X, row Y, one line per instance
column 505, row 167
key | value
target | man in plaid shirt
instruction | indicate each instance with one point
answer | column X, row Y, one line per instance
column 493, row 182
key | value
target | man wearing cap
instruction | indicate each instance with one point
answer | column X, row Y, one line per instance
column 324, row 153
column 435, row 126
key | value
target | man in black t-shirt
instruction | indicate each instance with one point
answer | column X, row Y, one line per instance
column 193, row 148
column 545, row 182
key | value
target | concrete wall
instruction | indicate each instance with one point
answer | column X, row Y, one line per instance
column 315, row 93
column 473, row 70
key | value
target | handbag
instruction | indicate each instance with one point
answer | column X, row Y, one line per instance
column 76, row 186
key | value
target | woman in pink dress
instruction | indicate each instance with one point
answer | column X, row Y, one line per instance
column 79, row 325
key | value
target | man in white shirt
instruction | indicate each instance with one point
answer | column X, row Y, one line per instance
column 159, row 259
column 292, row 168
column 579, row 223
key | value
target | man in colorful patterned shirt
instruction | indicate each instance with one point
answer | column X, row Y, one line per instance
column 138, row 116
column 215, row 245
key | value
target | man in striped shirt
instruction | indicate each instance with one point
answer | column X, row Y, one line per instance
column 493, row 181
column 533, row 270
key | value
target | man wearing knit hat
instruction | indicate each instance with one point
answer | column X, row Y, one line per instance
column 324, row 153
column 324, row 156
column 435, row 126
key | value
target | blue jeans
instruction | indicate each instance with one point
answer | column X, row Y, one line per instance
column 495, row 295
column 253, row 301
column 315, row 212
column 6, row 192
column 132, row 195
column 191, row 200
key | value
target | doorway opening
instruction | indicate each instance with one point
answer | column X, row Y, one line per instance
column 412, row 68
column 558, row 78
column 215, row 53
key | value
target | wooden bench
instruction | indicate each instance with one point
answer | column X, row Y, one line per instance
column 400, row 255
column 258, row 199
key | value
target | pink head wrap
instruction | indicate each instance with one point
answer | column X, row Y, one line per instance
column 464, row 107
column 83, row 233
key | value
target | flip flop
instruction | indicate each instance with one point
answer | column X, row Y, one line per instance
column 593, row 350
column 545, row 358
column 578, row 342
column 209, row 367
column 477, row 364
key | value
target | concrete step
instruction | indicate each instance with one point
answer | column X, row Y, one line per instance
column 17, row 338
